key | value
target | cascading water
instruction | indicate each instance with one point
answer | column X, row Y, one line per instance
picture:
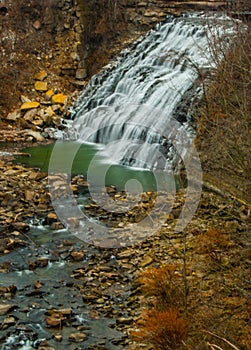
column 135, row 111
column 133, row 107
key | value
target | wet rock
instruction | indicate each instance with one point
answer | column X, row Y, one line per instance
column 35, row 135
column 5, row 308
column 78, row 337
column 55, row 320
column 8, row 322
column 58, row 337
column 45, row 347
column 41, row 262
column 77, row 256
column 29, row 105
column 34, row 292
column 51, row 217
column 123, row 320
column 21, row 226
column 8, row 291
column 38, row 285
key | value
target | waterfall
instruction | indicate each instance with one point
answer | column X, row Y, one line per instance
column 138, row 107
column 136, row 110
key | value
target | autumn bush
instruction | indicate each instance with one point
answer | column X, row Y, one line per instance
column 165, row 285
column 162, row 329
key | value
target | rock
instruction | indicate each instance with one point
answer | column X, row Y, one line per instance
column 77, row 256
column 59, row 99
column 40, row 75
column 54, row 320
column 74, row 56
column 123, row 320
column 21, row 226
column 78, row 337
column 81, row 73
column 100, row 301
column 67, row 25
column 56, row 108
column 8, row 290
column 49, row 111
column 29, row 195
column 37, row 25
column 37, row 285
column 38, row 122
column 51, row 217
column 58, row 337
column 147, row 261
column 29, row 105
column 30, row 115
column 5, row 308
column 68, row 70
column 14, row 115
column 35, row 134
column 9, row 321
column 24, row 99
column 41, row 262
column 41, row 86
column 49, row 94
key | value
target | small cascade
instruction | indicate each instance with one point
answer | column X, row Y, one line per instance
column 139, row 106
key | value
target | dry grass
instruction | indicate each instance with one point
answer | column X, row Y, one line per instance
column 163, row 329
column 224, row 124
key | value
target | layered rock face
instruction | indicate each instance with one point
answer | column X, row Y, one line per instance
column 70, row 39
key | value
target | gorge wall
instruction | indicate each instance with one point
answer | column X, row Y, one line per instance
column 72, row 39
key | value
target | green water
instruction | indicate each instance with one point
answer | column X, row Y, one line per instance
column 85, row 159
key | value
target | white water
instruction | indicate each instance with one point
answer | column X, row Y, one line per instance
column 133, row 108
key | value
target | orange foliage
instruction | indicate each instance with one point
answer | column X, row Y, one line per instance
column 213, row 240
column 164, row 330
column 163, row 283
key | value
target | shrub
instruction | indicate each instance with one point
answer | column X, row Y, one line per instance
column 165, row 284
column 162, row 329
